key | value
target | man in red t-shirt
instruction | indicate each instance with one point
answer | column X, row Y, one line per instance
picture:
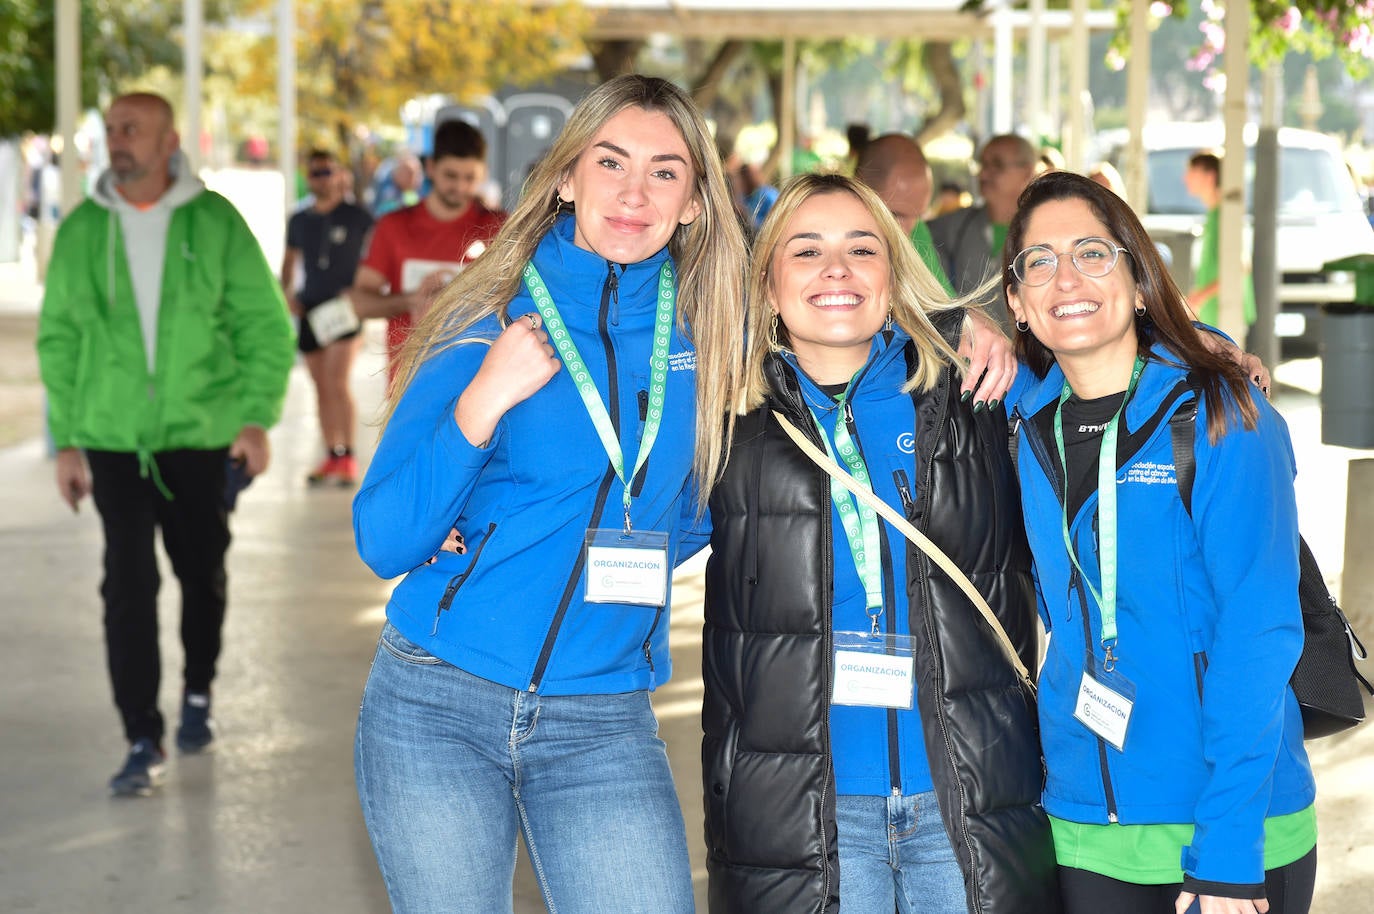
column 415, row 251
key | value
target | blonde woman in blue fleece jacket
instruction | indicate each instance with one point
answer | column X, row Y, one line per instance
column 1176, row 774
column 509, row 692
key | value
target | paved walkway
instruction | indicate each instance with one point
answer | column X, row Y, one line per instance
column 269, row 821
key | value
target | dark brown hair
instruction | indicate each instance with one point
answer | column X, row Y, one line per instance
column 1166, row 321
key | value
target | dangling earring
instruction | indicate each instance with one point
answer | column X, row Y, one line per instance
column 1140, row 310
column 1022, row 326
column 887, row 324
column 564, row 206
column 773, row 344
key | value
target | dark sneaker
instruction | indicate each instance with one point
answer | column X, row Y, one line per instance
column 195, row 732
column 142, row 770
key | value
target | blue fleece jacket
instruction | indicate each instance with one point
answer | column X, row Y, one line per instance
column 868, row 760
column 1209, row 630
column 511, row 609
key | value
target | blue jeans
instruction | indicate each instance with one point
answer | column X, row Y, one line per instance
column 451, row 766
column 895, row 855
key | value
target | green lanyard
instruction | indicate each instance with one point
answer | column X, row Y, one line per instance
column 1106, row 511
column 586, row 387
column 860, row 522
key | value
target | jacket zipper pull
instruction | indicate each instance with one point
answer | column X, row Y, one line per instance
column 903, row 491
column 613, row 285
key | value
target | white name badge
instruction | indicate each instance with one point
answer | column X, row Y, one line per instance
column 1105, row 708
column 332, row 320
column 873, row 675
column 414, row 270
column 627, row 567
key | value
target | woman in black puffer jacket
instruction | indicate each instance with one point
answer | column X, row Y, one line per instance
column 838, row 321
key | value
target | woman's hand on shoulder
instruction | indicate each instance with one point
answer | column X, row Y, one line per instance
column 991, row 361
column 519, row 363
column 1249, row 362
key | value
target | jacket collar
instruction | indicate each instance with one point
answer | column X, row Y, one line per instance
column 872, row 380
column 577, row 276
column 1163, row 371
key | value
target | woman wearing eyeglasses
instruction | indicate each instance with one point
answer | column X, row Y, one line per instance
column 1176, row 775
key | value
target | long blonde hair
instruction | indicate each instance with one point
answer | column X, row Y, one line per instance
column 709, row 255
column 915, row 292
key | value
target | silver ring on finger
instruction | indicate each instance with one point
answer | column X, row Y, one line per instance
column 534, row 320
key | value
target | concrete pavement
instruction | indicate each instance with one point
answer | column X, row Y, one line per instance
column 269, row 821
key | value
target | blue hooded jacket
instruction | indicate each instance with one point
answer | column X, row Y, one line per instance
column 511, row 609
column 875, row 750
column 1209, row 628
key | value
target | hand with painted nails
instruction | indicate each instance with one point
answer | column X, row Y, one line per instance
column 991, row 362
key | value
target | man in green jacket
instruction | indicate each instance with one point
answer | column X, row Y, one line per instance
column 165, row 346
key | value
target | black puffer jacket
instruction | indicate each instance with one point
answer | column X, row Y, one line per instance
column 769, row 785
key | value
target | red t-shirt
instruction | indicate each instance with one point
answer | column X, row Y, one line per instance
column 409, row 244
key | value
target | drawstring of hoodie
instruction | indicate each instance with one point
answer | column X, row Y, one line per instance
column 147, row 469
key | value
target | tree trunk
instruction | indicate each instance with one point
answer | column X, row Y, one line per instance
column 612, row 58
column 706, row 86
column 769, row 168
column 938, row 58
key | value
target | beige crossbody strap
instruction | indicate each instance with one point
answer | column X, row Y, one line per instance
column 916, row 536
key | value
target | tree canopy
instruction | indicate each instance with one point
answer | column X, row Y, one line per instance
column 120, row 41
column 359, row 61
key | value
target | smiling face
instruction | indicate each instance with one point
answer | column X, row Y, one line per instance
column 830, row 279
column 632, row 187
column 1084, row 320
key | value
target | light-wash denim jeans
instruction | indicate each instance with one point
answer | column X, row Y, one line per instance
column 451, row 766
column 895, row 855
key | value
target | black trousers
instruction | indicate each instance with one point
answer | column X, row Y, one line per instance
column 1288, row 888
column 195, row 535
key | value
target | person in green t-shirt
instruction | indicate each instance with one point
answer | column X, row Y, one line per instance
column 897, row 170
column 1203, row 180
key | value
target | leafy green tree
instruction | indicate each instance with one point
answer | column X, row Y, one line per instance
column 121, row 41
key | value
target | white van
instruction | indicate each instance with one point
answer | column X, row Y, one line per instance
column 1321, row 214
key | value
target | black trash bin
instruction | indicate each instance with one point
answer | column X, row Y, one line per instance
column 1347, row 348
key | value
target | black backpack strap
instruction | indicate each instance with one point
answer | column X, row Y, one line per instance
column 1181, row 436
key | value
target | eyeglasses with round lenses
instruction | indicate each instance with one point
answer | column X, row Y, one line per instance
column 1095, row 257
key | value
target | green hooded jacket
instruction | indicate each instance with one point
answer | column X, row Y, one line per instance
column 225, row 343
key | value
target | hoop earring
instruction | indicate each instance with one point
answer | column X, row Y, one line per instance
column 1022, row 326
column 772, row 337
column 1140, row 310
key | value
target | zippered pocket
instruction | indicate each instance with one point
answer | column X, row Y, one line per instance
column 457, row 581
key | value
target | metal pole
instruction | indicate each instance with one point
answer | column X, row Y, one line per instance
column 68, row 63
column 1035, row 72
column 1230, row 262
column 1076, row 133
column 1001, row 70
column 1264, row 266
column 193, row 65
column 286, row 98
column 1137, row 175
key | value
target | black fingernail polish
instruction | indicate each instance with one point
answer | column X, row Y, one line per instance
column 992, row 404
column 963, row 397
column 978, row 407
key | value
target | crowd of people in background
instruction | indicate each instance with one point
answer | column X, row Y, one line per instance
column 871, row 741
